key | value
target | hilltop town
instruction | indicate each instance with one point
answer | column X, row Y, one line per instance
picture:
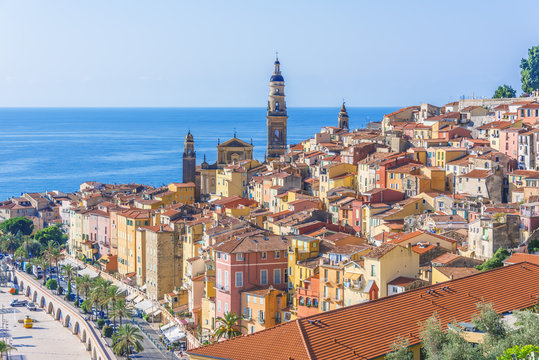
column 426, row 195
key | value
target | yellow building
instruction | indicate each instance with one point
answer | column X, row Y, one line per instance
column 336, row 175
column 261, row 308
column 207, row 320
column 183, row 193
column 385, row 263
column 447, row 154
column 232, row 180
column 127, row 223
column 191, row 239
column 302, row 262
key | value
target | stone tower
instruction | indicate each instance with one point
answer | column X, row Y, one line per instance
column 343, row 118
column 277, row 116
column 189, row 159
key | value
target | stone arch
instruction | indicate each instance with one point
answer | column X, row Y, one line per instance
column 67, row 321
column 21, row 285
column 83, row 336
column 42, row 302
column 58, row 316
column 14, row 279
column 28, row 291
column 34, row 298
column 50, row 309
column 89, row 345
column 76, row 329
column 94, row 354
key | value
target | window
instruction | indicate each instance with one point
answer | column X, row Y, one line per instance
column 218, row 255
column 239, row 279
column 338, row 294
column 218, row 278
column 252, row 329
column 264, row 255
column 325, row 291
column 264, row 277
column 226, row 280
column 326, row 275
column 277, row 254
column 373, row 270
column 285, row 280
column 277, row 276
column 218, row 305
column 338, row 276
column 261, row 316
column 240, row 257
column 226, row 307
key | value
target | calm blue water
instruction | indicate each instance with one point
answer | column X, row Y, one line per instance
column 57, row 149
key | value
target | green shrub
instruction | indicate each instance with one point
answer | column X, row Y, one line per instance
column 145, row 317
column 52, row 284
column 107, row 331
column 100, row 323
column 28, row 269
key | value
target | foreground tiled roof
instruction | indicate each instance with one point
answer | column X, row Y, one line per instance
column 367, row 330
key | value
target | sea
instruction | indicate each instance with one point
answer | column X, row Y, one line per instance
column 60, row 148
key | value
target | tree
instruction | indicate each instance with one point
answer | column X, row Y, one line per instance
column 533, row 245
column 70, row 272
column 9, row 243
column 229, row 326
column 17, row 225
column 119, row 310
column 21, row 254
column 52, row 284
column 400, row 350
column 496, row 261
column 53, row 253
column 530, row 70
column 519, row 352
column 489, row 322
column 51, row 233
column 126, row 339
column 5, row 348
column 504, row 91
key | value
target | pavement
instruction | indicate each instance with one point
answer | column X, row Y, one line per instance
column 48, row 339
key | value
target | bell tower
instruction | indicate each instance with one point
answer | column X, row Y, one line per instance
column 276, row 117
column 343, row 118
column 189, row 159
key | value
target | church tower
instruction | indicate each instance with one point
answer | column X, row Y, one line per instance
column 277, row 116
column 343, row 118
column 189, row 159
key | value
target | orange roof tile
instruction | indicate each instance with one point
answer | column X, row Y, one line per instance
column 368, row 330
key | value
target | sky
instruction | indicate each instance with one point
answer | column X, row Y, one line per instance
column 171, row 53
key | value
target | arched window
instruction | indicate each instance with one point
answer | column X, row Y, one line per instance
column 301, row 300
column 315, row 302
column 277, row 90
column 276, row 106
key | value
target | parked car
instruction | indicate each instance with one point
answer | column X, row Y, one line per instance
column 16, row 302
column 31, row 306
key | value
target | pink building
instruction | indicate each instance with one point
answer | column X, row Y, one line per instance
column 509, row 141
column 529, row 216
column 99, row 222
column 247, row 261
column 529, row 113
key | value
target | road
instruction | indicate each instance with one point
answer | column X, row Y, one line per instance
column 48, row 339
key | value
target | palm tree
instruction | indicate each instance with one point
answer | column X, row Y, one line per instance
column 94, row 298
column 43, row 263
column 229, row 326
column 113, row 294
column 53, row 253
column 21, row 254
column 5, row 348
column 69, row 271
column 9, row 243
column 119, row 310
column 85, row 284
column 126, row 339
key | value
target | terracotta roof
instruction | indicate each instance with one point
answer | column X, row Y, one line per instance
column 445, row 258
column 476, row 174
column 368, row 330
column 402, row 281
column 381, row 250
column 519, row 257
column 456, row 272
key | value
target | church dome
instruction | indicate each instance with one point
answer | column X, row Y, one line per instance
column 278, row 77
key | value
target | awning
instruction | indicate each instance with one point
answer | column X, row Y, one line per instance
column 144, row 305
column 131, row 296
column 167, row 326
column 352, row 276
column 153, row 312
column 174, row 334
column 67, row 261
column 138, row 299
column 89, row 272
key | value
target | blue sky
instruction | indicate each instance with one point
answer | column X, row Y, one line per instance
column 220, row 53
